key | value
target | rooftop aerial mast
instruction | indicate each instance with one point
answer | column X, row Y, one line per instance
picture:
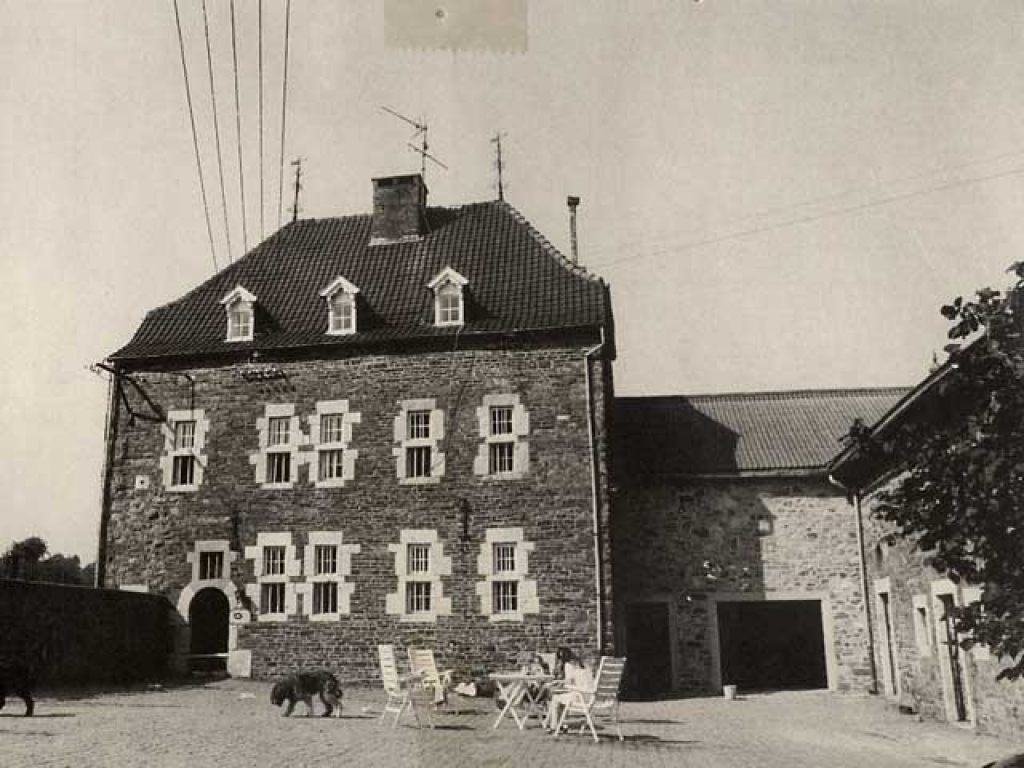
column 421, row 134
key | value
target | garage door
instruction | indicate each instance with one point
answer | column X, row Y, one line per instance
column 772, row 644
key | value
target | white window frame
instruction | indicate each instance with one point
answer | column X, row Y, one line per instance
column 448, row 282
column 212, row 546
column 438, row 567
column 404, row 442
column 345, row 292
column 494, row 566
column 241, row 300
column 517, row 438
column 341, row 576
column 194, row 452
column 327, row 444
column 292, row 568
column 296, row 439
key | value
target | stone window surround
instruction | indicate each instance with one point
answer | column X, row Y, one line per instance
column 922, row 625
column 349, row 455
column 236, row 295
column 520, row 430
column 444, row 278
column 440, row 566
column 939, row 589
column 341, row 285
column 345, row 586
column 295, row 437
column 292, row 570
column 971, row 595
column 198, row 415
column 527, row 589
column 437, row 433
column 888, row 656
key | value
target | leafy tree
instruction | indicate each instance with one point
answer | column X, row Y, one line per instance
column 960, row 497
column 27, row 559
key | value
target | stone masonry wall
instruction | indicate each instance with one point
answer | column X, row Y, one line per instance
column 922, row 664
column 690, row 541
column 151, row 530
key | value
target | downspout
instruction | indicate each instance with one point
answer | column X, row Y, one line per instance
column 862, row 562
column 599, row 569
column 109, row 440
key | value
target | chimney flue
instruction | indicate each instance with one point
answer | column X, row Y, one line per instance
column 399, row 209
column 573, row 202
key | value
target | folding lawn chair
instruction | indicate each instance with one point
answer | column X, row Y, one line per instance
column 602, row 701
column 397, row 687
column 423, row 666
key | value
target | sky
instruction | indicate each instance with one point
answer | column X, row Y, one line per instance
column 780, row 193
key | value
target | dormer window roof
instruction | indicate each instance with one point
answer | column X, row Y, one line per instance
column 449, row 300
column 239, row 305
column 341, row 307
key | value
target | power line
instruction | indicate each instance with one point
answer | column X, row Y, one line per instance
column 808, row 219
column 238, row 128
column 195, row 137
column 284, row 110
column 216, row 131
column 259, row 12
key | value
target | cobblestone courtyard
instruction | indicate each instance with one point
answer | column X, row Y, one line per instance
column 231, row 723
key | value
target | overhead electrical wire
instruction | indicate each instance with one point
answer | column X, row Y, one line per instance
column 259, row 16
column 812, row 218
column 195, row 136
column 216, row 132
column 238, row 129
column 284, row 110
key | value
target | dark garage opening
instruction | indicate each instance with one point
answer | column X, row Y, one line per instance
column 772, row 645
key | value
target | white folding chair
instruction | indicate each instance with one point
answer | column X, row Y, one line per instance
column 397, row 687
column 602, row 701
column 423, row 667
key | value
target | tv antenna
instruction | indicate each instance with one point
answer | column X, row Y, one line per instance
column 421, row 134
column 297, row 163
column 499, row 163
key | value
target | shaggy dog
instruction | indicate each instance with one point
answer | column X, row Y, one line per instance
column 17, row 678
column 302, row 686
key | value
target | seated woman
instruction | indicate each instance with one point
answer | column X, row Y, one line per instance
column 577, row 675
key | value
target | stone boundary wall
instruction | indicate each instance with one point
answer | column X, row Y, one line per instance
column 70, row 634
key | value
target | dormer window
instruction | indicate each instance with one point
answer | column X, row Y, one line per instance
column 449, row 300
column 341, row 307
column 239, row 305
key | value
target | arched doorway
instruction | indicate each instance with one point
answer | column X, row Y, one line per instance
column 208, row 621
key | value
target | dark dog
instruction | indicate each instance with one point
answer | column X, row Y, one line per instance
column 303, row 686
column 16, row 678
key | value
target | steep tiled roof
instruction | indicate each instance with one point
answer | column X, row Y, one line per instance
column 517, row 282
column 739, row 433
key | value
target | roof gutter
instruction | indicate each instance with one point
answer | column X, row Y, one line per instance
column 595, row 507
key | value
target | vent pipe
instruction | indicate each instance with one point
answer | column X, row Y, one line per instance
column 573, row 202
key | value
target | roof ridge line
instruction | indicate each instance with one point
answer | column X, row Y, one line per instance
column 765, row 394
column 571, row 267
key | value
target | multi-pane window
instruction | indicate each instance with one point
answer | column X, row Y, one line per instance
column 183, row 466
column 279, row 462
column 272, row 598
column 500, row 459
column 325, row 559
column 325, row 597
column 418, row 558
column 342, row 313
column 449, row 305
column 417, row 461
column 504, row 558
column 211, row 565
column 501, row 420
column 419, row 425
column 505, row 596
column 332, row 428
column 501, row 453
column 240, row 321
column 331, row 464
column 273, row 561
column 417, row 597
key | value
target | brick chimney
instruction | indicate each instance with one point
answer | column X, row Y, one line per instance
column 399, row 209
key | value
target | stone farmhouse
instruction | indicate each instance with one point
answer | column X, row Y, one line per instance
column 401, row 428
column 377, row 428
